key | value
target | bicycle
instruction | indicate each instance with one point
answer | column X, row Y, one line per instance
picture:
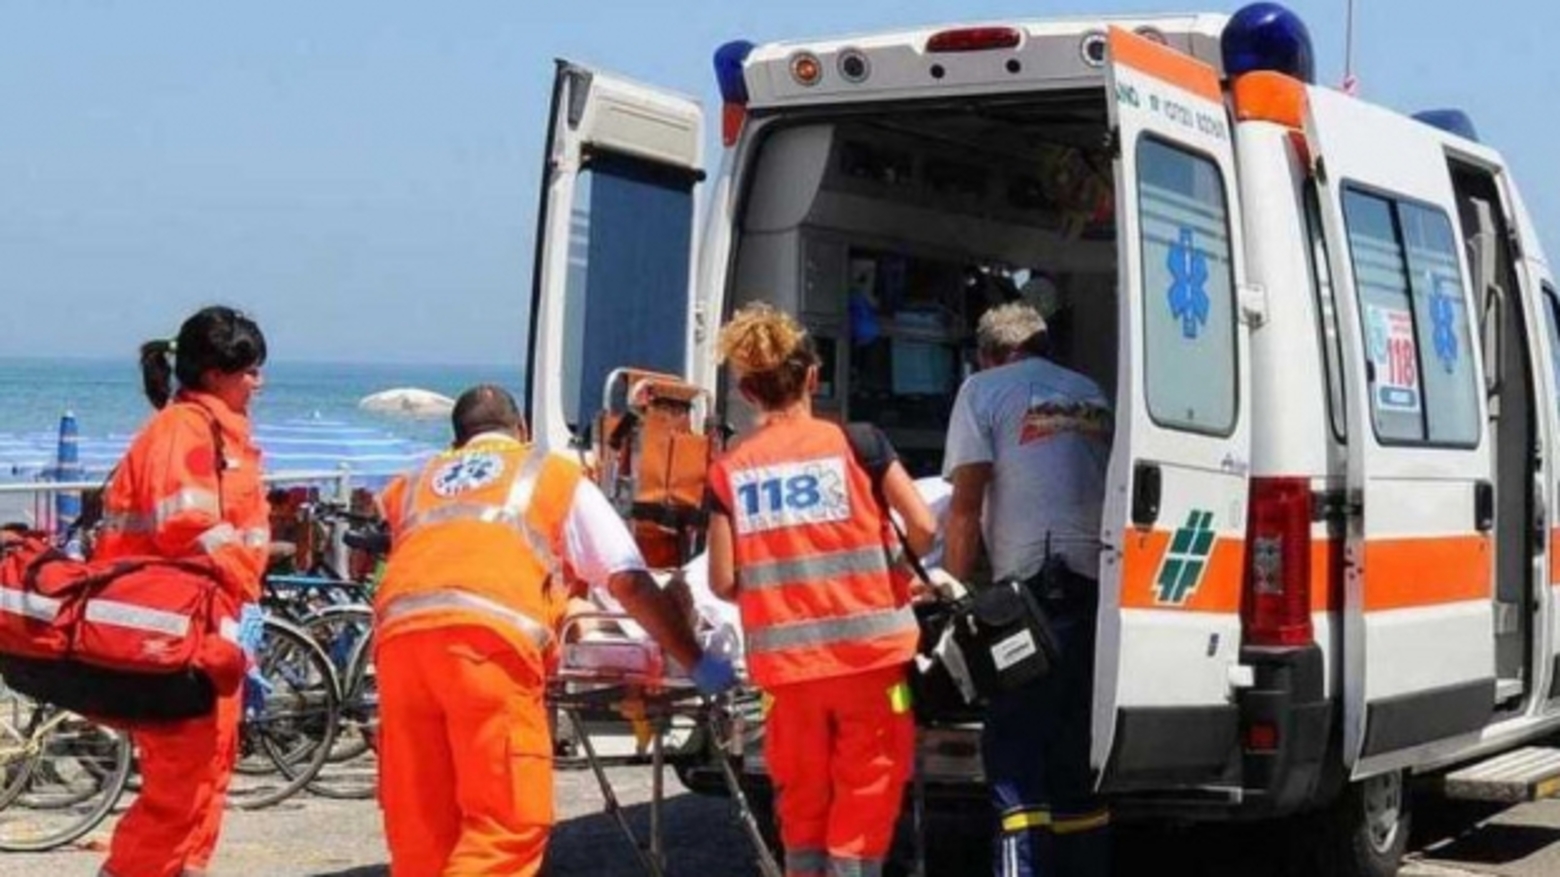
column 290, row 716
column 60, row 774
column 334, row 613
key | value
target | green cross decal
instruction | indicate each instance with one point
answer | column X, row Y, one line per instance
column 1187, row 559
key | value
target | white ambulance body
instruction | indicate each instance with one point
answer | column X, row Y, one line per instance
column 1328, row 330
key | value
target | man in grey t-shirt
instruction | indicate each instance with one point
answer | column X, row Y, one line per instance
column 1028, row 445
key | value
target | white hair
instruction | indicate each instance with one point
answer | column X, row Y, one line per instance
column 1008, row 327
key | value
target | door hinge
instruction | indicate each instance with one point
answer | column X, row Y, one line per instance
column 1335, row 507
column 1112, row 143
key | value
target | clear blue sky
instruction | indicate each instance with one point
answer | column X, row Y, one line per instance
column 362, row 174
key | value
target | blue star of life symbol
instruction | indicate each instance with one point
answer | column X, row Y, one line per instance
column 1443, row 318
column 1188, row 287
column 467, row 472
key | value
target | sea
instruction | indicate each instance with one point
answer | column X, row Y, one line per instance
column 106, row 399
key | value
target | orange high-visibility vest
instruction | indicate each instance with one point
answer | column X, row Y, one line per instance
column 167, row 497
column 812, row 564
column 477, row 538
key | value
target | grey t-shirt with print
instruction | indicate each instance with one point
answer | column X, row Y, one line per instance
column 1046, row 431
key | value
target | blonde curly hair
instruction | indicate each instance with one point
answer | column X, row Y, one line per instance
column 769, row 351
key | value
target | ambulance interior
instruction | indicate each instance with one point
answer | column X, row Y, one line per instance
column 891, row 233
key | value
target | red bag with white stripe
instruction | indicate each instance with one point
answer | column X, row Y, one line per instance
column 133, row 638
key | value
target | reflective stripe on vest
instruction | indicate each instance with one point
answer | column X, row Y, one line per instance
column 136, row 617
column 190, row 499
column 511, row 514
column 27, row 605
column 814, row 568
column 830, row 631
column 453, row 599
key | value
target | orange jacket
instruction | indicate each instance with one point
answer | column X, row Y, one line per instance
column 477, row 538
column 812, row 562
column 167, row 497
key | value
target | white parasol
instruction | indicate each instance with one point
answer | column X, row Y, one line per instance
column 408, row 402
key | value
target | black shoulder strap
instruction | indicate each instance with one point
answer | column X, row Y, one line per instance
column 866, row 446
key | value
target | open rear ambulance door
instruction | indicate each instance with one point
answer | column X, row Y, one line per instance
column 612, row 283
column 1175, row 510
column 1419, row 645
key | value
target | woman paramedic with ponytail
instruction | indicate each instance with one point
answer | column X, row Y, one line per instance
column 800, row 541
column 190, row 485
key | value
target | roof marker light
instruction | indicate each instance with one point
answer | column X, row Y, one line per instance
column 1450, row 121
column 974, row 39
column 1267, row 36
column 806, row 69
column 854, row 66
column 1093, row 48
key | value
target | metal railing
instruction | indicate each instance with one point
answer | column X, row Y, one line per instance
column 42, row 493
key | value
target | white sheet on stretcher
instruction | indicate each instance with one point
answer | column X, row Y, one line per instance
column 719, row 626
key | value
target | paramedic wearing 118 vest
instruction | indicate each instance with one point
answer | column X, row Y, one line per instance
column 466, row 618
column 188, row 485
column 799, row 539
column 1028, row 445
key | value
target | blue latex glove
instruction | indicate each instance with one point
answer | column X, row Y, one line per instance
column 713, row 674
column 251, row 627
column 255, row 690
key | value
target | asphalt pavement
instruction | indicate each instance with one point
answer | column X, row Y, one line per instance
column 313, row 837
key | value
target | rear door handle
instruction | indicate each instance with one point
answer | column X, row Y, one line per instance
column 1483, row 506
column 1147, row 488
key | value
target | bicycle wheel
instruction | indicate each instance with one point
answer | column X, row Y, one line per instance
column 77, row 773
column 293, row 724
column 341, row 632
column 356, row 777
column 16, row 751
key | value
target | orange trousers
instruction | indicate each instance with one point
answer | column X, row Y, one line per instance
column 465, row 757
column 186, row 768
column 840, row 752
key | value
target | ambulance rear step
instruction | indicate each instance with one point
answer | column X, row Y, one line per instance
column 1526, row 774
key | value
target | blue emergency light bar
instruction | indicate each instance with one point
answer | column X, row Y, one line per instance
column 729, row 59
column 1450, row 121
column 1267, row 36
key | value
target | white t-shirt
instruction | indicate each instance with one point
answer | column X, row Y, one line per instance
column 1046, row 432
column 596, row 542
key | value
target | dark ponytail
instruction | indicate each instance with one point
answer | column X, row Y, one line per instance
column 215, row 338
column 157, row 372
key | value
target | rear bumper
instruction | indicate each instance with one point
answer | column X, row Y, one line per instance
column 1217, row 776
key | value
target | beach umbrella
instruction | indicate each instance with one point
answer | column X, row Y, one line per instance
column 67, row 467
column 408, row 402
column 372, row 456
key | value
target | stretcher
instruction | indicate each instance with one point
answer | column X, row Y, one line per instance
column 603, row 666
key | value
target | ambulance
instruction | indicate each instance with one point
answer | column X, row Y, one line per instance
column 1328, row 329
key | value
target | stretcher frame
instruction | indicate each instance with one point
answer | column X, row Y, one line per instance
column 573, row 689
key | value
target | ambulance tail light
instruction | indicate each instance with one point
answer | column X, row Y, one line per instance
column 1276, row 609
column 974, row 39
column 729, row 75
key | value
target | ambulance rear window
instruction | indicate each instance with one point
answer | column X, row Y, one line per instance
column 1423, row 389
column 1188, row 290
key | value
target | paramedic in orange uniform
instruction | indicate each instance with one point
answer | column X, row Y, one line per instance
column 466, row 615
column 189, row 485
column 799, row 539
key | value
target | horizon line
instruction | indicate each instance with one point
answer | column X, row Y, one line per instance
column 308, row 360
